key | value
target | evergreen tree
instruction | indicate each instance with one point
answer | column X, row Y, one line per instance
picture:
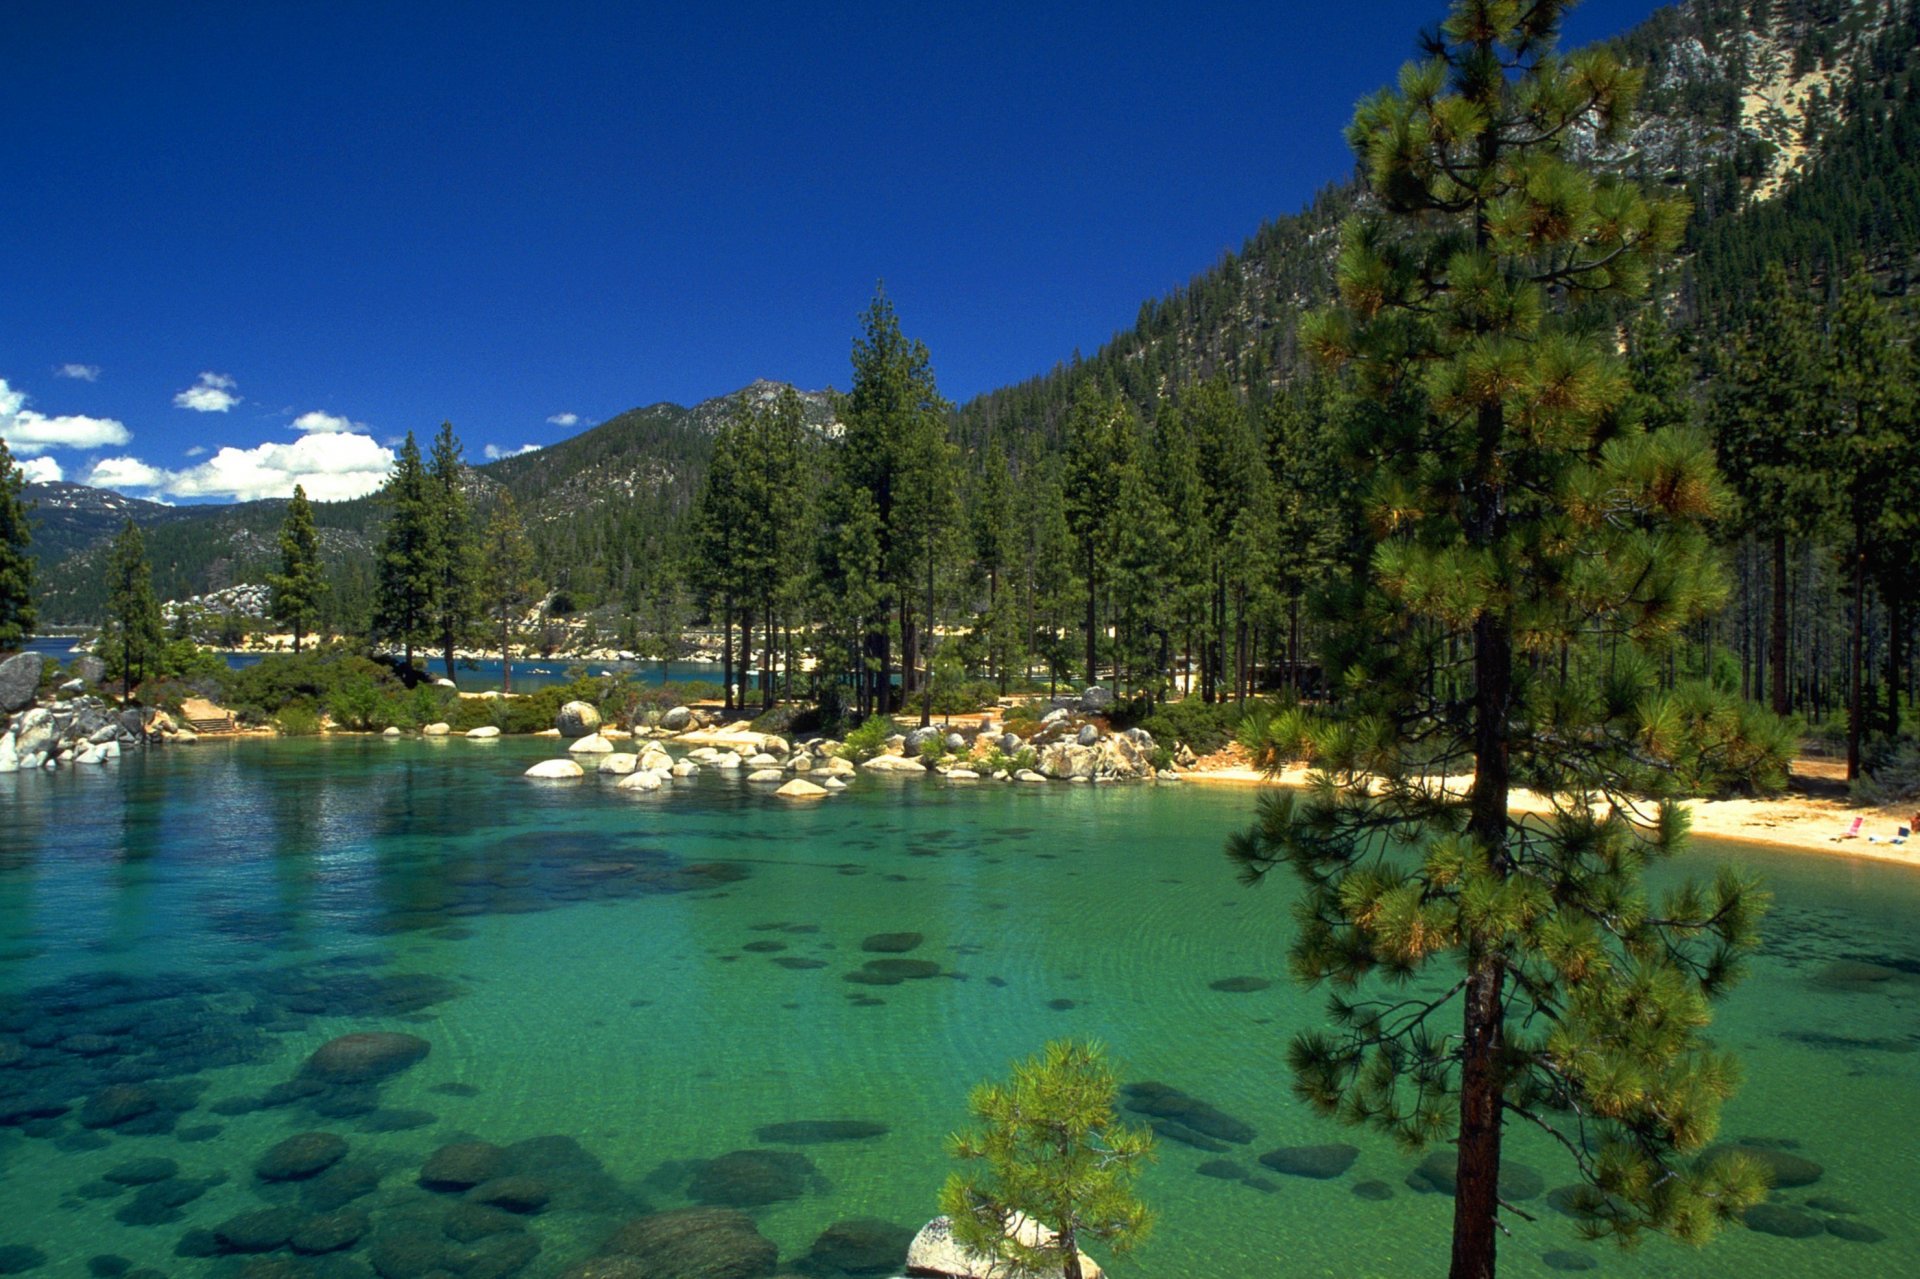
column 1055, row 1154
column 895, row 448
column 17, row 613
column 1768, row 421
column 1100, row 446
column 410, row 575
column 1868, row 454
column 452, row 529
column 504, row 582
column 1533, row 548
column 299, row 587
column 134, row 635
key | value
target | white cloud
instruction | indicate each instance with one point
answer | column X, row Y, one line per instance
column 211, row 393
column 564, row 419
column 332, row 466
column 319, row 423
column 41, row 470
column 28, row 433
column 494, row 452
column 79, row 372
column 198, row 450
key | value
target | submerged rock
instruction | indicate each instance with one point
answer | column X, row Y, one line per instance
column 1161, row 1101
column 750, row 1178
column 365, row 1057
column 462, row 1165
column 691, row 1243
column 1785, row 1222
column 301, row 1156
column 808, row 1132
column 892, row 943
column 860, row 1246
column 1321, row 1163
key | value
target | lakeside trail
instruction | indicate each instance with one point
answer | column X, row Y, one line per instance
column 1801, row 823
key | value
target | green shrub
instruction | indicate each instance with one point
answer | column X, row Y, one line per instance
column 357, row 704
column 932, row 750
column 297, row 721
column 1890, row 773
column 868, row 740
column 1204, row 728
column 258, row 692
column 997, row 760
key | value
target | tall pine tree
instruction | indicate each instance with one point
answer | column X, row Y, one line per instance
column 17, row 613
column 299, row 588
column 134, row 634
column 1534, row 548
column 409, row 570
column 453, row 596
column 504, row 584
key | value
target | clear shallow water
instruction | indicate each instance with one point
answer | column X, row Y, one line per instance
column 638, row 973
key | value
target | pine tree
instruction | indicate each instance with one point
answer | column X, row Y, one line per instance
column 299, row 587
column 17, row 613
column 1768, row 423
column 452, row 527
column 409, row 570
column 504, row 582
column 895, row 447
column 1869, row 385
column 1534, row 549
column 1100, row 434
column 134, row 634
column 1055, row 1155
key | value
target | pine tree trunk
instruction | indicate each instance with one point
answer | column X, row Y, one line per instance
column 506, row 657
column 726, row 653
column 1091, row 620
column 926, row 700
column 447, row 640
column 1892, row 594
column 766, row 665
column 1777, row 627
column 1476, row 1203
column 1856, row 656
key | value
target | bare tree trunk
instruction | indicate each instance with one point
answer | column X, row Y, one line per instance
column 726, row 652
column 1856, row 656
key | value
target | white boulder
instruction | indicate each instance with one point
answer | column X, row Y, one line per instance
column 556, row 770
column 619, row 764
column 592, row 744
column 484, row 733
column 800, row 788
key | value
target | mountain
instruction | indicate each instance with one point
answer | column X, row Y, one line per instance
column 623, row 483
column 1796, row 116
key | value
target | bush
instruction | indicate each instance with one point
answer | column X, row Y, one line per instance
column 997, row 760
column 1204, row 728
column 868, row 740
column 297, row 721
column 1890, row 773
column 258, row 692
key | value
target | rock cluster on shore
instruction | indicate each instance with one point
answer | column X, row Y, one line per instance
column 1072, row 743
column 75, row 726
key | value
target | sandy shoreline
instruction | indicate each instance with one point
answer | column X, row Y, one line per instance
column 1800, row 823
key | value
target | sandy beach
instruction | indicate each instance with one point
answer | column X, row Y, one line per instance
column 1801, row 823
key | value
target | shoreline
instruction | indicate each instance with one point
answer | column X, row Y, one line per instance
column 1789, row 823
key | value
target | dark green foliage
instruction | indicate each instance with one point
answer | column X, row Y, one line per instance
column 17, row 613
column 504, row 585
column 1535, row 546
column 299, row 587
column 455, row 599
column 1204, row 727
column 1716, row 743
column 132, row 640
column 410, row 572
column 349, row 684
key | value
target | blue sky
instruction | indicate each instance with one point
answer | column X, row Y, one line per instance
column 250, row 242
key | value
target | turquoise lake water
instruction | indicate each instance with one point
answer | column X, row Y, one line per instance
column 653, row 978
